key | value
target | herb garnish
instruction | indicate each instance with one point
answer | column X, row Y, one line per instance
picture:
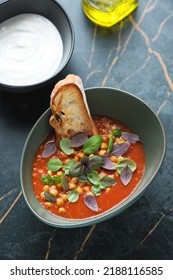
column 125, row 168
column 54, row 164
column 49, row 149
column 49, row 197
column 87, row 170
column 73, row 196
column 92, row 144
column 91, row 202
column 110, row 144
column 130, row 137
column 50, row 180
column 78, row 140
column 65, row 146
column 64, row 182
column 120, row 148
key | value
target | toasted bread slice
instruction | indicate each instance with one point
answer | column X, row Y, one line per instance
column 70, row 112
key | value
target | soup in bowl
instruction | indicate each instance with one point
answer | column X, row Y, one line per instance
column 96, row 177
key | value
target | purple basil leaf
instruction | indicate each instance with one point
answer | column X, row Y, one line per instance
column 91, row 202
column 49, row 149
column 120, row 148
column 84, row 160
column 85, row 164
column 78, row 140
column 108, row 164
column 130, row 137
column 126, row 175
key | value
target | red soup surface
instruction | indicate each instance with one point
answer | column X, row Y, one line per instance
column 98, row 189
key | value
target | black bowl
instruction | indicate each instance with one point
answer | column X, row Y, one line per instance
column 56, row 14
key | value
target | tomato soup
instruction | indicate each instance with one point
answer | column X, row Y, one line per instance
column 79, row 181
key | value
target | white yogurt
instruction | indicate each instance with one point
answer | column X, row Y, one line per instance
column 31, row 50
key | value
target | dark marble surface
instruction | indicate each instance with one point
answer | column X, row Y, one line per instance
column 136, row 56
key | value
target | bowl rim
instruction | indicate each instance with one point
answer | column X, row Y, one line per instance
column 74, row 223
column 60, row 68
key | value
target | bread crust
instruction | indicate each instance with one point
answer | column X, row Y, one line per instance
column 70, row 111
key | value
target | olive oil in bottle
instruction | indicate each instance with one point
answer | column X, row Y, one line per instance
column 107, row 13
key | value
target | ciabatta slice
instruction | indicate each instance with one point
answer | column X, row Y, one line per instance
column 70, row 111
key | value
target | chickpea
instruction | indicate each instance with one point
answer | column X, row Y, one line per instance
column 59, row 201
column 104, row 146
column 79, row 190
column 46, row 188
column 48, row 204
column 107, row 190
column 63, row 196
column 59, row 173
column 74, row 180
column 61, row 210
column 53, row 190
column 102, row 152
column 49, row 172
column 80, row 154
column 76, row 158
column 72, row 186
column 113, row 158
column 59, row 186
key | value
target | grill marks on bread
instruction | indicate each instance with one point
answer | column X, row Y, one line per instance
column 70, row 112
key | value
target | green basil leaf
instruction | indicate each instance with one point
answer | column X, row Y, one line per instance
column 125, row 162
column 47, row 179
column 94, row 178
column 83, row 178
column 65, row 146
column 92, row 144
column 64, row 182
column 56, row 179
column 117, row 132
column 70, row 165
column 73, row 196
column 96, row 162
column 54, row 164
column 110, row 144
column 96, row 190
column 107, row 181
column 49, row 197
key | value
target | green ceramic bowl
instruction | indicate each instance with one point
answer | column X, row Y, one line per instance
column 110, row 102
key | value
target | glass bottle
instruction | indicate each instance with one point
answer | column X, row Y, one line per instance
column 108, row 12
